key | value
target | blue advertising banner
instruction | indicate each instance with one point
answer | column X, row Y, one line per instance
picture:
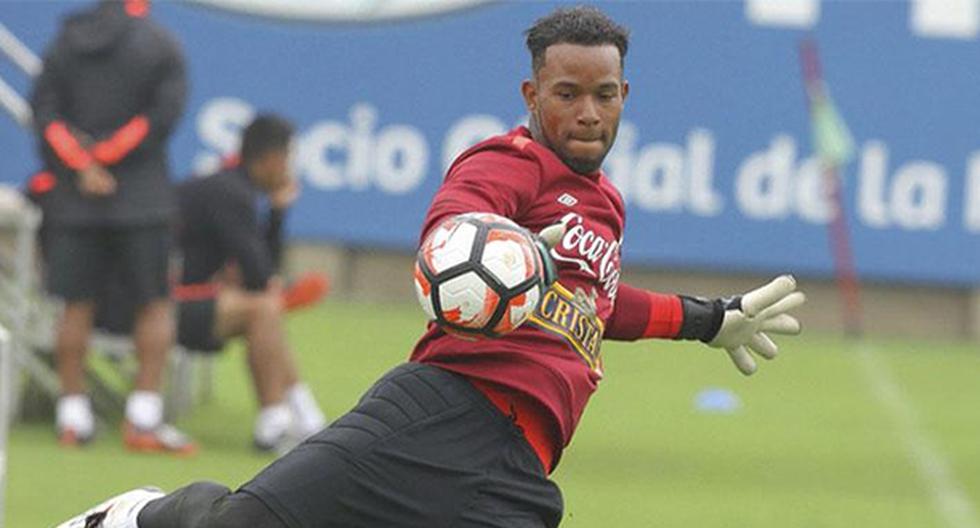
column 714, row 156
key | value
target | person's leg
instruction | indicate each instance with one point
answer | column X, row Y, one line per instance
column 71, row 343
column 143, row 254
column 74, row 419
column 115, row 311
column 517, row 493
column 198, row 328
column 258, row 317
column 144, row 428
column 307, row 416
column 199, row 505
column 196, row 322
column 284, row 402
column 422, row 448
column 75, row 266
column 207, row 505
column 153, row 337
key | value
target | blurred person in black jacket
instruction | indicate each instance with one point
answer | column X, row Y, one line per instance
column 111, row 91
column 230, row 284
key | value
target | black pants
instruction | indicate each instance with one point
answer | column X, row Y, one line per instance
column 421, row 449
column 207, row 505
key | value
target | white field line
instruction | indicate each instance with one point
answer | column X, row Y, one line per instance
column 948, row 496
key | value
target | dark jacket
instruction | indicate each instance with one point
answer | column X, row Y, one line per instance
column 112, row 89
column 219, row 224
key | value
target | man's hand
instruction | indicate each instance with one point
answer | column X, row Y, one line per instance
column 95, row 181
column 285, row 195
column 749, row 317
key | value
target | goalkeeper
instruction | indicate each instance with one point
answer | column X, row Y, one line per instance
column 466, row 433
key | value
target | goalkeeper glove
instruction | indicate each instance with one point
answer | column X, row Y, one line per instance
column 546, row 239
column 740, row 324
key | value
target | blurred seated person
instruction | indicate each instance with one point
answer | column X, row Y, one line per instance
column 229, row 285
column 115, row 314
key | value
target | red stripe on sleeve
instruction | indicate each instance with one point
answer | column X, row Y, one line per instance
column 231, row 161
column 41, row 183
column 122, row 142
column 66, row 146
column 137, row 8
column 666, row 316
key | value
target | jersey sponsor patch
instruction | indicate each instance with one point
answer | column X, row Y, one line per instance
column 574, row 318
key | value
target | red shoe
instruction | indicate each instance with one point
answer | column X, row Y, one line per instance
column 307, row 290
column 68, row 437
column 162, row 439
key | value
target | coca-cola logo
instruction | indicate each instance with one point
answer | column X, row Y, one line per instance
column 592, row 253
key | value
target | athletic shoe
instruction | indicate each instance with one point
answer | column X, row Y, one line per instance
column 69, row 437
column 74, row 422
column 162, row 439
column 305, row 291
column 118, row 512
column 282, row 444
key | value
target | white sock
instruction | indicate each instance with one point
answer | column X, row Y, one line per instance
column 272, row 422
column 74, row 411
column 309, row 417
column 144, row 409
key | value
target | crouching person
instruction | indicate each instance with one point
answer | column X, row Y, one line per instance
column 229, row 287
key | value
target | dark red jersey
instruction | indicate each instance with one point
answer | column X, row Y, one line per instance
column 555, row 357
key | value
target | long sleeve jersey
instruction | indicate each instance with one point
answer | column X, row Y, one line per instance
column 555, row 358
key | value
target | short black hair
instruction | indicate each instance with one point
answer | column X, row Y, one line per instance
column 267, row 132
column 582, row 25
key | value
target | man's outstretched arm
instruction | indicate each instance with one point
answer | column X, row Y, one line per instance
column 739, row 324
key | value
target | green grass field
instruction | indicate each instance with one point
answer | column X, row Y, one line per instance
column 814, row 445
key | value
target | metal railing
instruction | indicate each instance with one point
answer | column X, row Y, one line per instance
column 6, row 410
column 26, row 61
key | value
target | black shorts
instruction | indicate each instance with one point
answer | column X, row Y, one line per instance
column 81, row 261
column 422, row 448
column 115, row 312
column 195, row 325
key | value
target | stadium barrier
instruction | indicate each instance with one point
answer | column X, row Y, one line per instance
column 6, row 392
column 19, row 222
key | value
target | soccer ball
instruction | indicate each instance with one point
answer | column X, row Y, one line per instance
column 478, row 275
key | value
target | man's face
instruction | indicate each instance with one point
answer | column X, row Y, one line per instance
column 575, row 101
column 271, row 170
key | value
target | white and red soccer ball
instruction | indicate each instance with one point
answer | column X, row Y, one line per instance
column 479, row 275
